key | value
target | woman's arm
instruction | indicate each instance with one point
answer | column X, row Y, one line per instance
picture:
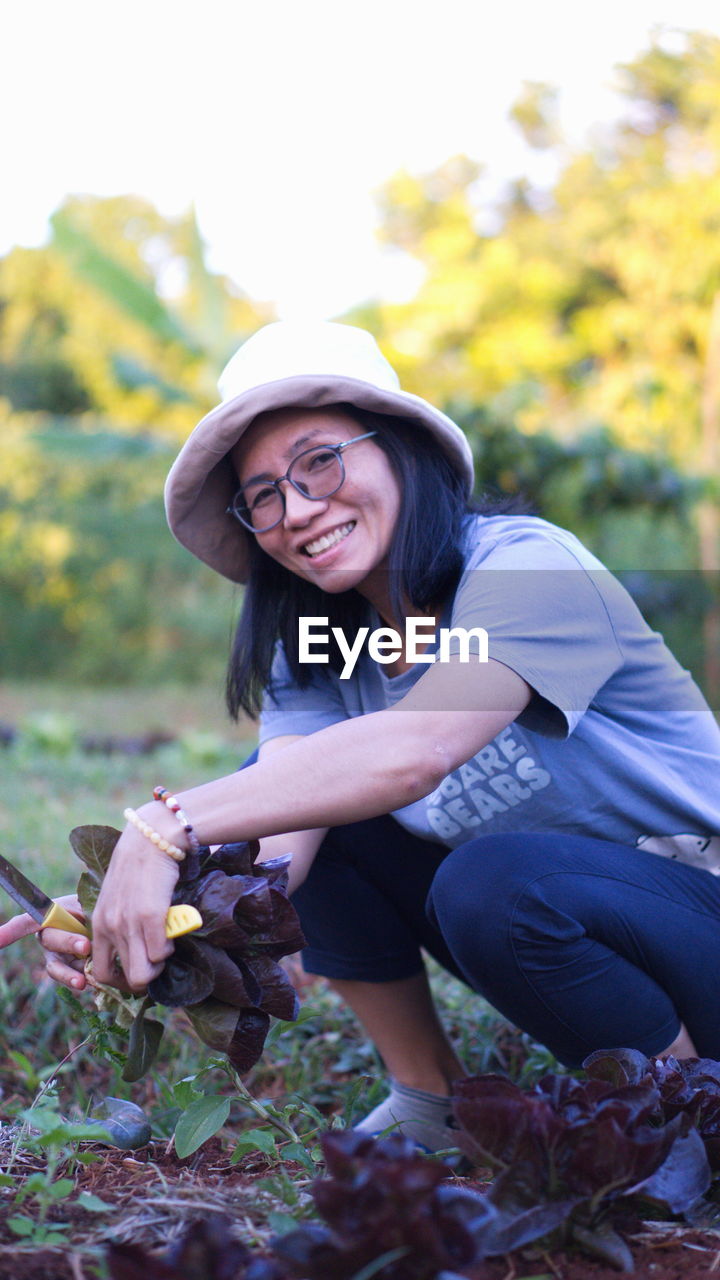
column 356, row 769
column 369, row 765
column 303, row 845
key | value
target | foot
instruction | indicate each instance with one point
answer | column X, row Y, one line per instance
column 425, row 1118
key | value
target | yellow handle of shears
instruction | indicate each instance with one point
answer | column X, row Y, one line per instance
column 180, row 919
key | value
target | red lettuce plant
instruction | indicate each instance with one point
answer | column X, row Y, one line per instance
column 689, row 1087
column 566, row 1152
column 206, row 1250
column 225, row 975
column 384, row 1204
column 571, row 1158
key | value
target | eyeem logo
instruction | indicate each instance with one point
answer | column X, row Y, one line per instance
column 385, row 644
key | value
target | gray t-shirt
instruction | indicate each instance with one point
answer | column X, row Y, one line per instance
column 616, row 742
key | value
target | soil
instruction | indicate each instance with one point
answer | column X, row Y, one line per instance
column 154, row 1196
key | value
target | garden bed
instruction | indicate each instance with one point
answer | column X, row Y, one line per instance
column 153, row 1196
column 149, row 1196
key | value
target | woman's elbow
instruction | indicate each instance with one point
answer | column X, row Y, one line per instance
column 425, row 769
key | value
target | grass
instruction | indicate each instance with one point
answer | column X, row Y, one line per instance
column 48, row 785
column 121, row 710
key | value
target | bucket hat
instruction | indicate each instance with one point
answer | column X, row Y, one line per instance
column 287, row 364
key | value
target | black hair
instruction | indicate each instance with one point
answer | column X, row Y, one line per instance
column 425, row 560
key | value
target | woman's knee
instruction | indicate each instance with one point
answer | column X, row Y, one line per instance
column 482, row 879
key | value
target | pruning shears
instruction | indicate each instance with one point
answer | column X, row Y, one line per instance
column 180, row 919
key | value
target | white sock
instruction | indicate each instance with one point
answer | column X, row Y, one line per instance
column 425, row 1118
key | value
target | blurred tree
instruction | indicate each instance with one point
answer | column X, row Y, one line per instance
column 587, row 306
column 119, row 313
column 92, row 585
column 589, row 303
column 119, row 322
column 535, row 112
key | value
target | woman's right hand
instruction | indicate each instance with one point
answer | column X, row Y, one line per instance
column 65, row 953
column 129, row 942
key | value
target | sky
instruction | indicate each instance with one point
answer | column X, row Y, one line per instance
column 280, row 119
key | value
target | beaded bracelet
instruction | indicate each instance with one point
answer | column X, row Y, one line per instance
column 163, row 795
column 151, row 834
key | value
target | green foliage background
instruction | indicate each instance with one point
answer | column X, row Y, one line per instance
column 93, row 587
column 575, row 333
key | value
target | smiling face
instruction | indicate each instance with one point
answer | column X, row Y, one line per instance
column 340, row 542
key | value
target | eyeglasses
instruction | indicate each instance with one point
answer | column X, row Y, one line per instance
column 316, row 473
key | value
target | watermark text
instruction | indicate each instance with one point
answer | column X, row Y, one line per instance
column 385, row 645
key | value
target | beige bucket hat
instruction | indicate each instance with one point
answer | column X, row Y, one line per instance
column 286, row 364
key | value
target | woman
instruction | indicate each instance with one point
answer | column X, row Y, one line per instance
column 505, row 815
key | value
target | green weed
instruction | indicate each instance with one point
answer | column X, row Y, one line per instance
column 41, row 1129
